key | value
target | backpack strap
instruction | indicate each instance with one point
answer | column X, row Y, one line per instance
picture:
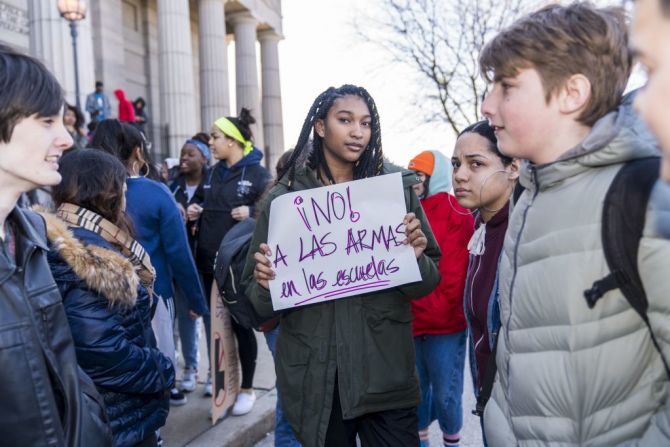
column 623, row 221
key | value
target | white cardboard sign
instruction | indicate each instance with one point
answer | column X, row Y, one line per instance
column 340, row 240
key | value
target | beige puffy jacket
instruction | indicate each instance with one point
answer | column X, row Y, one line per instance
column 569, row 375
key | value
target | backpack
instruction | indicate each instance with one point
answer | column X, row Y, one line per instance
column 624, row 213
column 228, row 268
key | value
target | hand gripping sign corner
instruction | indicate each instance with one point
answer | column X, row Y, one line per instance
column 337, row 241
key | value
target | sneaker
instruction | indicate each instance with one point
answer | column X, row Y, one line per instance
column 244, row 403
column 190, row 380
column 177, row 398
column 208, row 386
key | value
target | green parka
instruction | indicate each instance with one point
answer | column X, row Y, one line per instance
column 365, row 339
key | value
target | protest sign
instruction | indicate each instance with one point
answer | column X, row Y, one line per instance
column 338, row 241
column 223, row 358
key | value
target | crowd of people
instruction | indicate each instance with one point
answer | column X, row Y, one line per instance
column 542, row 246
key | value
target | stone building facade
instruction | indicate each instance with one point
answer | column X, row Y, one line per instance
column 173, row 53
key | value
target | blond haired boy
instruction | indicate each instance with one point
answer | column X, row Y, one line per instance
column 569, row 374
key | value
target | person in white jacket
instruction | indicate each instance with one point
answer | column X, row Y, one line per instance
column 569, row 374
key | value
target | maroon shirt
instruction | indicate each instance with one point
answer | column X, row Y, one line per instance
column 480, row 281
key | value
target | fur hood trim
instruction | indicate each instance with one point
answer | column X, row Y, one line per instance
column 103, row 270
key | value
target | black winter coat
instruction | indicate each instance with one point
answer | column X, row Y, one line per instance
column 40, row 399
column 227, row 188
column 109, row 314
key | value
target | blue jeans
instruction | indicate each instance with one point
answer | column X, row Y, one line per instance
column 440, row 361
column 284, row 436
column 188, row 330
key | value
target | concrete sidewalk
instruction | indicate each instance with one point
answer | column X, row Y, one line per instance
column 190, row 425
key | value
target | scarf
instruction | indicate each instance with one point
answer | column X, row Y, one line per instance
column 131, row 249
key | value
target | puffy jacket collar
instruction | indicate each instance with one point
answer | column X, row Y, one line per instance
column 93, row 260
column 618, row 137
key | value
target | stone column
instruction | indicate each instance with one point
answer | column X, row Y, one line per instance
column 214, row 101
column 50, row 41
column 273, row 129
column 246, row 75
column 108, row 47
column 176, row 73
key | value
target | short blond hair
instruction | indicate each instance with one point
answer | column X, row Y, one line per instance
column 560, row 41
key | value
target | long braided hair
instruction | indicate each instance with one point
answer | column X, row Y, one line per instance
column 371, row 161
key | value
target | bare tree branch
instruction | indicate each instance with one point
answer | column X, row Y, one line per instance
column 440, row 40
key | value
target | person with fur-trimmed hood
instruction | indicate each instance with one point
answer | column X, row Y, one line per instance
column 106, row 278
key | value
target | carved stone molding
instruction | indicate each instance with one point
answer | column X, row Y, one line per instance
column 14, row 19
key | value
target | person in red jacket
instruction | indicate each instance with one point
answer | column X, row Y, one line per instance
column 439, row 326
column 126, row 108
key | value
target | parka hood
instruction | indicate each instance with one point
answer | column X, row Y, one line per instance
column 120, row 94
column 93, row 260
column 617, row 137
column 440, row 181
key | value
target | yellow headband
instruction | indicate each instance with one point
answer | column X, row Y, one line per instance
column 227, row 127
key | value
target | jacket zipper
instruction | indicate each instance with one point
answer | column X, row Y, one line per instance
column 534, row 181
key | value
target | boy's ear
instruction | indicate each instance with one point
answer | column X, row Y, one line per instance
column 513, row 169
column 575, row 94
column 320, row 128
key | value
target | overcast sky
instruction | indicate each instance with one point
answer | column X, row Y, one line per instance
column 320, row 50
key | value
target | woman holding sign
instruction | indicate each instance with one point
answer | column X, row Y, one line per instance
column 345, row 367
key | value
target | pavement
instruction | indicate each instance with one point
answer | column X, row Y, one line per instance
column 471, row 433
column 190, row 424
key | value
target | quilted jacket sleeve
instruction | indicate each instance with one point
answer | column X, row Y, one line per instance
column 105, row 351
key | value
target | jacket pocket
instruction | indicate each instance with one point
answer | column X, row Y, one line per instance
column 389, row 346
column 292, row 359
column 29, row 410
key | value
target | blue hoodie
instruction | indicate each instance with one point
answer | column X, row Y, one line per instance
column 440, row 181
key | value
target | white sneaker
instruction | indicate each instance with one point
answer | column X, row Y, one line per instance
column 244, row 403
column 208, row 386
column 190, row 380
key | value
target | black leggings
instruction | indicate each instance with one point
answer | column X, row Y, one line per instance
column 246, row 340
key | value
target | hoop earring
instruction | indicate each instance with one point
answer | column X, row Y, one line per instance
column 145, row 166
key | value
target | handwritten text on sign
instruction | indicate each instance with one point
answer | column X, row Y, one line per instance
column 339, row 241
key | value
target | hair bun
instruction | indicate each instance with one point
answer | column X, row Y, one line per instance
column 245, row 117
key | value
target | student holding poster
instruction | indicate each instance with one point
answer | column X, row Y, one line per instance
column 345, row 367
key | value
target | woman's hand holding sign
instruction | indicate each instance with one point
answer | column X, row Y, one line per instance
column 263, row 271
column 415, row 236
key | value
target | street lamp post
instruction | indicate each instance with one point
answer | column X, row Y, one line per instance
column 73, row 11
